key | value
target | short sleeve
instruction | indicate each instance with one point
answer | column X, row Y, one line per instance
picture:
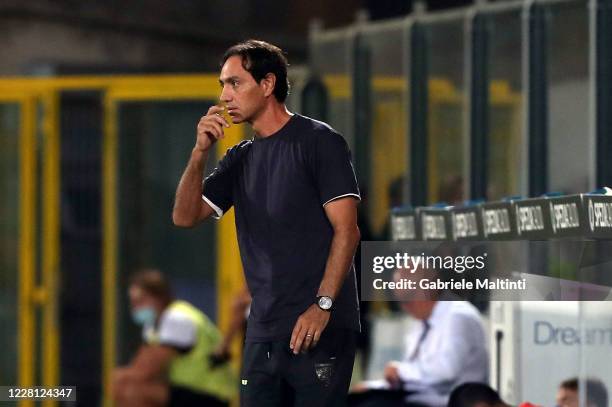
column 217, row 188
column 177, row 330
column 334, row 172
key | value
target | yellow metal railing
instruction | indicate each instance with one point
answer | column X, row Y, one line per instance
column 27, row 245
column 50, row 241
column 109, row 245
column 29, row 93
column 30, row 294
column 27, row 239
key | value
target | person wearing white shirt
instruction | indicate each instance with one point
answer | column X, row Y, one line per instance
column 445, row 348
column 452, row 351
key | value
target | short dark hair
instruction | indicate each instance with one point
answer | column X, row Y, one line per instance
column 260, row 58
column 470, row 394
column 570, row 384
column 596, row 392
column 154, row 283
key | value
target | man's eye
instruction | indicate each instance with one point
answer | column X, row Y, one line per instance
column 234, row 83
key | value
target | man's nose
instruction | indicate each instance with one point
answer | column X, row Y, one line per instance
column 225, row 95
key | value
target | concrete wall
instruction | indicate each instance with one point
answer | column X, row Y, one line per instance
column 64, row 36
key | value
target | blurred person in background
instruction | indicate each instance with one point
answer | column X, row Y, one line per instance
column 294, row 193
column 445, row 348
column 596, row 393
column 172, row 366
column 241, row 305
column 451, row 190
column 475, row 395
column 395, row 195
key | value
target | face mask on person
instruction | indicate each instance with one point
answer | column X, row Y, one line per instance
column 144, row 316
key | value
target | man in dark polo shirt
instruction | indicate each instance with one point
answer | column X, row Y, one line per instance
column 295, row 196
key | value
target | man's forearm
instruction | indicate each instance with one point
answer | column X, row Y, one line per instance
column 187, row 202
column 343, row 246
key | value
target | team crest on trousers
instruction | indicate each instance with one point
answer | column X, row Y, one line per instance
column 324, row 372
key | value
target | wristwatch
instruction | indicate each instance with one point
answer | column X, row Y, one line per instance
column 325, row 303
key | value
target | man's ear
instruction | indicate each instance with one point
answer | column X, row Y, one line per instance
column 268, row 82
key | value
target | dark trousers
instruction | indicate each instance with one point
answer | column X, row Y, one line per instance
column 273, row 376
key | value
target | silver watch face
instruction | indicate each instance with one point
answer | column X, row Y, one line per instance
column 325, row 303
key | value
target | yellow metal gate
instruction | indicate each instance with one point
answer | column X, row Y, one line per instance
column 30, row 229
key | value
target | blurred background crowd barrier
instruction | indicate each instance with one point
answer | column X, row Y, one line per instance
column 480, row 102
